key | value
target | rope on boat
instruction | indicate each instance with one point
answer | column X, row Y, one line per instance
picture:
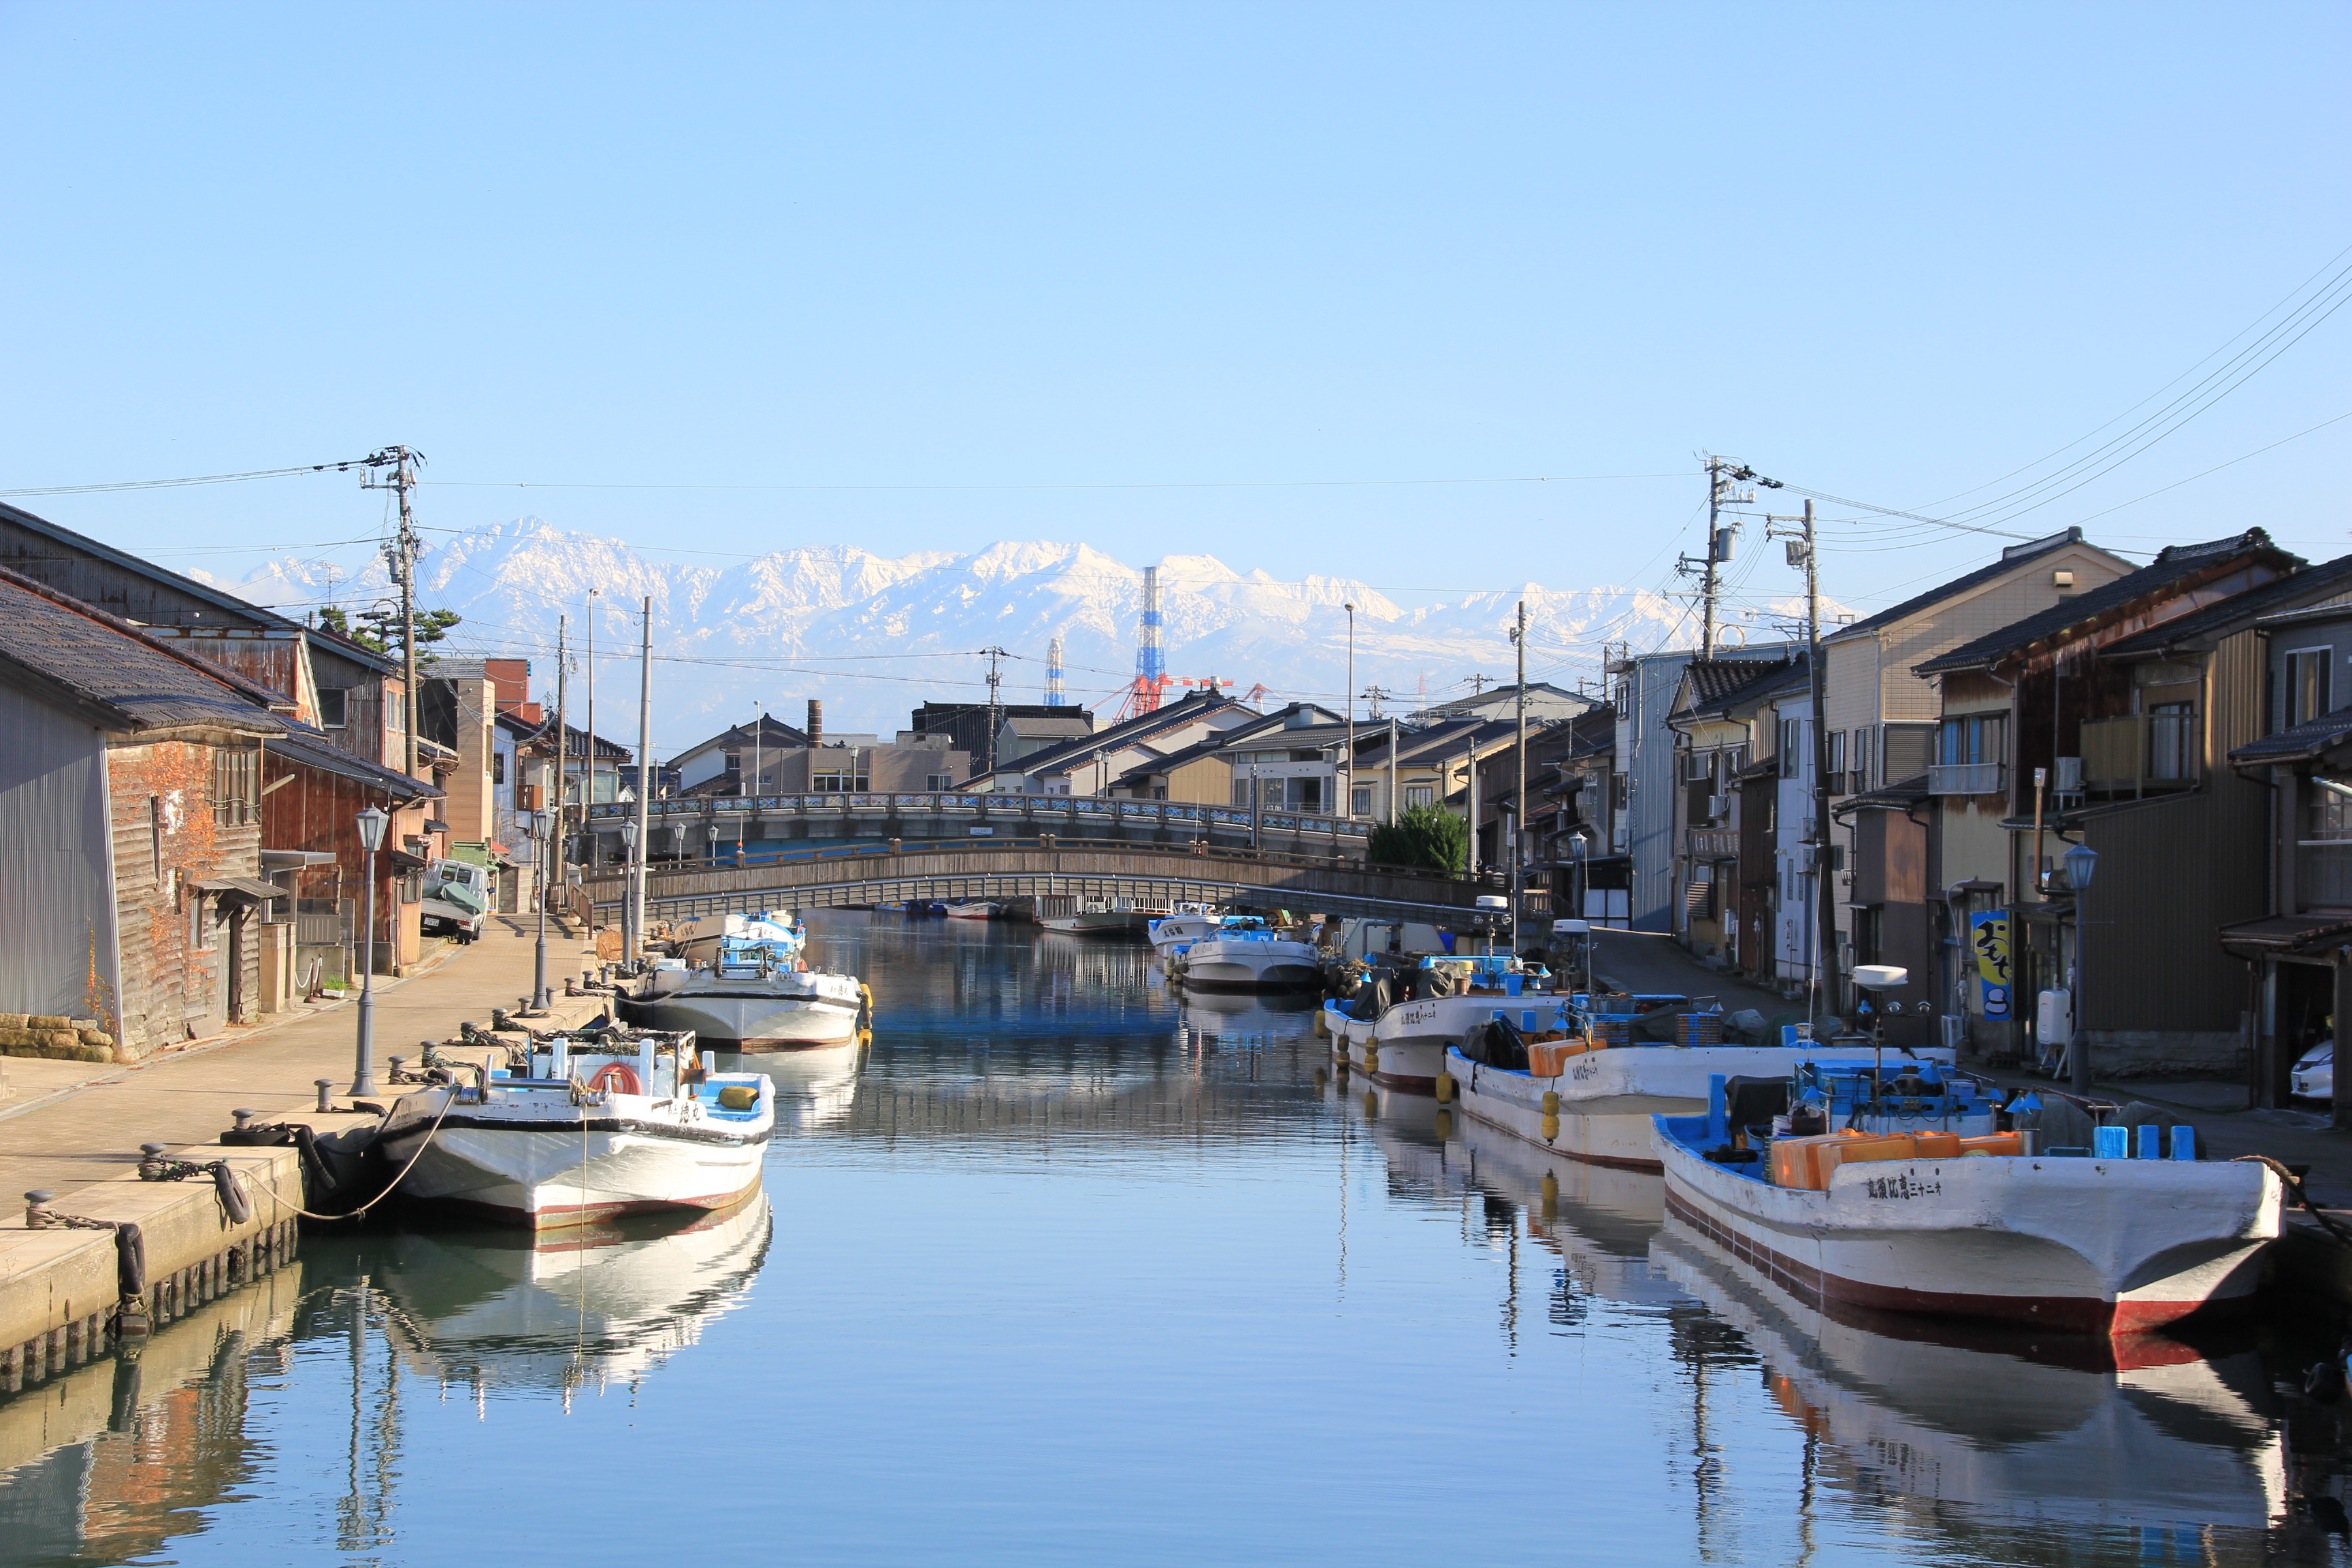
column 2295, row 1185
column 390, row 1187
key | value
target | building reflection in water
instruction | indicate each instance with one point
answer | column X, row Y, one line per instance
column 110, row 1461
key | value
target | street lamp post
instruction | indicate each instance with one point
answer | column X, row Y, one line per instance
column 2082, row 864
column 1879, row 978
column 372, row 824
column 1578, row 847
column 540, row 821
column 628, row 888
column 1347, row 802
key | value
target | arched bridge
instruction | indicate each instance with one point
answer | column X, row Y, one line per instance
column 1155, row 874
column 729, row 825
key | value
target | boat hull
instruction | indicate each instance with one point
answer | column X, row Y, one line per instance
column 752, row 1022
column 1252, row 966
column 2085, row 1245
column 1605, row 1130
column 1111, row 922
column 576, row 1173
column 1608, row 1097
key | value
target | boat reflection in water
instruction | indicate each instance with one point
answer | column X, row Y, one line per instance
column 1239, row 1018
column 814, row 1088
column 596, row 1306
column 2008, row 1425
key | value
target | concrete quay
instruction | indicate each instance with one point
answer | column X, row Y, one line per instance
column 62, row 1289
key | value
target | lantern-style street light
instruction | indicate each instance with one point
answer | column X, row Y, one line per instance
column 2082, row 864
column 372, row 824
column 628, row 888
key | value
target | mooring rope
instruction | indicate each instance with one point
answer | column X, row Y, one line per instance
column 2302, row 1195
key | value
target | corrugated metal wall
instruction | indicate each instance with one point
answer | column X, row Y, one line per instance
column 2171, row 874
column 55, row 909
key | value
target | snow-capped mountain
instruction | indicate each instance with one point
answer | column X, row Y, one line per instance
column 876, row 636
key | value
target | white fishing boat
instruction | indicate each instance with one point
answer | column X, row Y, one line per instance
column 754, row 996
column 1596, row 1104
column 1189, row 924
column 606, row 1123
column 1246, row 954
column 1074, row 916
column 1985, row 1226
column 1396, row 1032
column 698, row 941
column 978, row 910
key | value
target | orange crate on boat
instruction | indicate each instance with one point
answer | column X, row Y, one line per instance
column 1993, row 1144
column 1937, row 1145
column 1550, row 1059
column 1796, row 1161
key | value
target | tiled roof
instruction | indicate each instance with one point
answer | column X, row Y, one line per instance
column 2307, row 738
column 1047, row 729
column 1196, row 705
column 2327, row 578
column 141, row 682
column 1719, row 684
column 2010, row 560
column 2171, row 565
column 312, row 749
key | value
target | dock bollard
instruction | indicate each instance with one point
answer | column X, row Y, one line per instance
column 241, row 1118
column 37, row 1209
column 399, row 1069
column 326, row 1097
column 150, row 1162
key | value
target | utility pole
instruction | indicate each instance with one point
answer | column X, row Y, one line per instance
column 1375, row 695
column 644, row 852
column 1519, row 811
column 588, row 789
column 562, row 802
column 1393, row 769
column 1803, row 551
column 995, row 656
column 1347, row 800
column 401, row 555
column 1723, row 477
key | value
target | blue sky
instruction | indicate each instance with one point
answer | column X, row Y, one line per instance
column 1124, row 273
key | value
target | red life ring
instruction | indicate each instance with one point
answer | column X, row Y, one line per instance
column 616, row 1076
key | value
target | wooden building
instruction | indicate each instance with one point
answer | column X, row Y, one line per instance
column 131, row 892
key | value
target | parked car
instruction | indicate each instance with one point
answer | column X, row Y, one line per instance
column 2315, row 1074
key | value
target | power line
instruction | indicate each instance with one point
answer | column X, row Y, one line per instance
column 1050, row 485
column 344, row 467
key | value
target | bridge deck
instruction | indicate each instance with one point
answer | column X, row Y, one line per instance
column 958, row 871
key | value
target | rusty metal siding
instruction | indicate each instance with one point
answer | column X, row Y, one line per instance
column 2173, row 872
column 57, row 921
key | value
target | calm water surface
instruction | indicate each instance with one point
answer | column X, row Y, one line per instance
column 1067, row 1268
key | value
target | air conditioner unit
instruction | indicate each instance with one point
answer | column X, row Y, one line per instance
column 2067, row 776
column 2054, row 1017
column 1955, row 1031
column 1719, row 806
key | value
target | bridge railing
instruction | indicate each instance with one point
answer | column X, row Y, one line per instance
column 984, row 806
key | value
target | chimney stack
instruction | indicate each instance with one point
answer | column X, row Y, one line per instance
column 816, row 722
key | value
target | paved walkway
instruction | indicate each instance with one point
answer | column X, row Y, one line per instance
column 1643, row 961
column 89, row 1131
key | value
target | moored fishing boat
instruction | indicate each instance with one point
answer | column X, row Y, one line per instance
column 1190, row 923
column 1982, row 1227
column 1245, row 954
column 698, row 940
column 1074, row 916
column 1398, row 1027
column 978, row 910
column 1596, row 1103
column 605, row 1123
column 757, row 994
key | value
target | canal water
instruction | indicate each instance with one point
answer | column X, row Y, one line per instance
column 1069, row 1268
